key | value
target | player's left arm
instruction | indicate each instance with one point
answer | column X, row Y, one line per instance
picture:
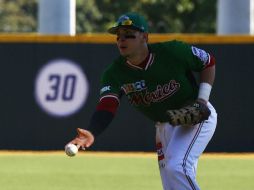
column 207, row 76
column 197, row 112
column 197, row 60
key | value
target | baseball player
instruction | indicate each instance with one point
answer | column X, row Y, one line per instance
column 158, row 81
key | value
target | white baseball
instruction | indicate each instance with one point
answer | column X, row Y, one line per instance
column 71, row 149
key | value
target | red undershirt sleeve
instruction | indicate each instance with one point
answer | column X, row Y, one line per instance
column 109, row 104
column 211, row 62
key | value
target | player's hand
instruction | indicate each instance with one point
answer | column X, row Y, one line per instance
column 202, row 101
column 84, row 139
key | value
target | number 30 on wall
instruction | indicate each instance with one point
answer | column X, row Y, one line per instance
column 61, row 88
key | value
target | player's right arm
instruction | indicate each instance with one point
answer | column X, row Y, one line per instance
column 110, row 94
column 100, row 120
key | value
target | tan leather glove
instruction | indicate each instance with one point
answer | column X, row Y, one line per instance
column 189, row 115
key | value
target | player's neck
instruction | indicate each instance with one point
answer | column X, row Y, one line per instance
column 138, row 58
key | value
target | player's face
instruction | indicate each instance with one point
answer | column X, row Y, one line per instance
column 130, row 42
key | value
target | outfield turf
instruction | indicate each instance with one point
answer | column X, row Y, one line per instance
column 117, row 171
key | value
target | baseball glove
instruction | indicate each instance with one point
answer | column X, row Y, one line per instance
column 189, row 115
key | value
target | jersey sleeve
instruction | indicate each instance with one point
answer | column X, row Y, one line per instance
column 110, row 86
column 192, row 58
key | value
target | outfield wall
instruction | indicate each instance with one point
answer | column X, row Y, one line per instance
column 49, row 87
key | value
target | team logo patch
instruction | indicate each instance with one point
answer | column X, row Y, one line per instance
column 201, row 54
column 134, row 87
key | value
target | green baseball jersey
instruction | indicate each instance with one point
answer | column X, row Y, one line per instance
column 166, row 83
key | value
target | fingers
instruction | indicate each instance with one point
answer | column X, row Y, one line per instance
column 84, row 134
column 83, row 140
column 79, row 142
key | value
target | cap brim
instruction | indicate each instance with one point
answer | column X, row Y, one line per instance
column 113, row 30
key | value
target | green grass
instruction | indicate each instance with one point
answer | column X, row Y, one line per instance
column 55, row 171
column 226, row 173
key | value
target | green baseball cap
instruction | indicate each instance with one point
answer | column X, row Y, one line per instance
column 132, row 21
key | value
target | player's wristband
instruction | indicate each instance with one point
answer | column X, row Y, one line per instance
column 204, row 91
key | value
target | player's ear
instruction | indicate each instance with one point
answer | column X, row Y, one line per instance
column 145, row 36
